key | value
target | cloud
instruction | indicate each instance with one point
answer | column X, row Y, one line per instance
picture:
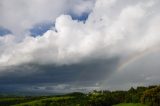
column 24, row 14
column 114, row 29
column 142, row 71
column 33, row 77
column 101, row 36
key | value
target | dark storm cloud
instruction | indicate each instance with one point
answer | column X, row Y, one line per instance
column 86, row 73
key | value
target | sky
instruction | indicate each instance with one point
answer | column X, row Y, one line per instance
column 78, row 45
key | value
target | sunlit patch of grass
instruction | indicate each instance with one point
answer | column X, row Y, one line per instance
column 130, row 104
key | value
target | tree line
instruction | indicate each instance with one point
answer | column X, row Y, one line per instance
column 146, row 95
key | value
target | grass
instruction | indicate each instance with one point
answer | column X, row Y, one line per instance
column 130, row 104
column 41, row 102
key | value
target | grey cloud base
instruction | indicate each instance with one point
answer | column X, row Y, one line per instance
column 29, row 77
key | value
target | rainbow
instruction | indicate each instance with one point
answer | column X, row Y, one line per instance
column 136, row 56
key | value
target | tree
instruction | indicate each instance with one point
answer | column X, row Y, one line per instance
column 151, row 96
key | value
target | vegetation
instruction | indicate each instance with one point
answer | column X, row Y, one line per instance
column 130, row 104
column 7, row 101
column 140, row 96
column 151, row 96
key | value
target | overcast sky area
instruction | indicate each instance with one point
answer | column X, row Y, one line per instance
column 78, row 45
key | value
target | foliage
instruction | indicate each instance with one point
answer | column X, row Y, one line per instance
column 7, row 101
column 151, row 96
column 147, row 95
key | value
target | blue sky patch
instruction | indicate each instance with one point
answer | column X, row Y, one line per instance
column 4, row 31
column 41, row 28
column 82, row 17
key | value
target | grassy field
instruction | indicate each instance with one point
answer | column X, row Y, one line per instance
column 56, row 101
column 47, row 101
column 130, row 104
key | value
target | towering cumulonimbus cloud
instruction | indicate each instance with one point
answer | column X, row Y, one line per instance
column 114, row 30
column 110, row 30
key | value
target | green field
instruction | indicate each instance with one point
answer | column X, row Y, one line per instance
column 130, row 104
column 133, row 97
column 53, row 101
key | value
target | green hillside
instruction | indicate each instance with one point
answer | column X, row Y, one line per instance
column 140, row 96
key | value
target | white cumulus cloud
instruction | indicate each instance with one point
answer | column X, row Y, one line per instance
column 128, row 29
